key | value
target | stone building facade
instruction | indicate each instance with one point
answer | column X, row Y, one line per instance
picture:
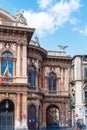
column 78, row 89
column 35, row 91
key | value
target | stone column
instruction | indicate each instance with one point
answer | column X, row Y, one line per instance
column 40, row 79
column 66, row 79
column 67, row 113
column 24, row 63
column 36, row 79
column 46, row 85
column 24, row 110
column 44, row 115
column 18, row 62
column 0, row 67
column 17, row 112
column 14, row 68
column 62, row 79
column 37, row 108
column 62, row 114
column 59, row 86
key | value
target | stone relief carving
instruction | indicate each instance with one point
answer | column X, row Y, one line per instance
column 7, row 45
column 13, row 46
column 13, row 96
column 52, row 69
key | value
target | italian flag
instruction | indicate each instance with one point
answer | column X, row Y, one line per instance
column 2, row 78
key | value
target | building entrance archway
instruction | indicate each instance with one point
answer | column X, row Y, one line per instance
column 52, row 115
column 32, row 117
column 6, row 115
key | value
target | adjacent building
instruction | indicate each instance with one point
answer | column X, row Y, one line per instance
column 78, row 89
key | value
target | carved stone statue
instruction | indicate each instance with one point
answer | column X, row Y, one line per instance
column 62, row 47
column 35, row 42
column 20, row 17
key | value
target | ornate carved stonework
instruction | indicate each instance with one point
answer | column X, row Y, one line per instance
column 13, row 46
column 7, row 45
column 20, row 17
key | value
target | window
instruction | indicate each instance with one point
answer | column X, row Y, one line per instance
column 52, row 81
column 7, row 59
column 86, row 96
column 85, row 71
column 31, row 75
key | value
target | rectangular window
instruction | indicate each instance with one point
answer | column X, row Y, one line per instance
column 85, row 96
column 85, row 71
column 86, row 112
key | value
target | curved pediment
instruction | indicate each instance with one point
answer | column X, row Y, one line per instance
column 4, row 15
column 7, row 19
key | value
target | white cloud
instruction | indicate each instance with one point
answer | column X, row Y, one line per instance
column 74, row 21
column 42, row 21
column 84, row 31
column 75, row 29
column 54, row 17
column 81, row 31
column 44, row 3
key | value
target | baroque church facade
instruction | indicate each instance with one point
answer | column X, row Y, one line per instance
column 36, row 90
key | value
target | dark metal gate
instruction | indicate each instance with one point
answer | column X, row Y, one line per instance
column 6, row 115
column 6, row 121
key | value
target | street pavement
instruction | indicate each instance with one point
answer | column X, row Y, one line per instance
column 61, row 128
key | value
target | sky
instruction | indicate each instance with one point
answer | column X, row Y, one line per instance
column 56, row 22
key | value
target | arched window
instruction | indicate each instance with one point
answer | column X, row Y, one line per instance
column 7, row 59
column 52, row 81
column 31, row 75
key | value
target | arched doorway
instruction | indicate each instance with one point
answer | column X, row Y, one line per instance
column 32, row 117
column 6, row 115
column 52, row 115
